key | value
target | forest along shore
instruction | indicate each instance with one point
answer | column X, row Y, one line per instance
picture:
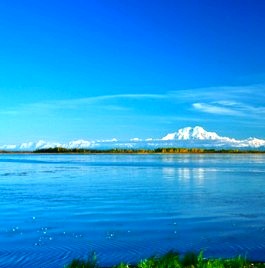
column 62, row 150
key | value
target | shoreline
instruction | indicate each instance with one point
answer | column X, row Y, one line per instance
column 116, row 151
column 173, row 259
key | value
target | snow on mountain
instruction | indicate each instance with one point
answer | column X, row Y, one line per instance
column 135, row 139
column 79, row 144
column 199, row 137
column 189, row 133
column 189, row 137
column 170, row 137
column 8, row 147
column 253, row 142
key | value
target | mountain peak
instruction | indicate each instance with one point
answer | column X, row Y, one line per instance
column 192, row 133
column 185, row 137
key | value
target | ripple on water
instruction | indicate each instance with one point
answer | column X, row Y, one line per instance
column 7, row 174
column 41, row 257
column 124, row 208
column 113, row 250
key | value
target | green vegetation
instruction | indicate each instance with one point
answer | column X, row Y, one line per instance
column 145, row 151
column 173, row 260
column 91, row 262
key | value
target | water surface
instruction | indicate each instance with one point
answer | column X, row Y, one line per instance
column 127, row 207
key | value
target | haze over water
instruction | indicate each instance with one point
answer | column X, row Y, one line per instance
column 127, row 207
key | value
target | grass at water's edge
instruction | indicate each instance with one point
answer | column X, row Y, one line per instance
column 173, row 260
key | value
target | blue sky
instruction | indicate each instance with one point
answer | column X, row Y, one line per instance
column 102, row 69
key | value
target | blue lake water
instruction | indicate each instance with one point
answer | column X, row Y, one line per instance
column 54, row 208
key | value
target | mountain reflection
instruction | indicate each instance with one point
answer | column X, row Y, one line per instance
column 196, row 175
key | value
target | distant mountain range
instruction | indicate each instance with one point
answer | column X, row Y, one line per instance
column 188, row 137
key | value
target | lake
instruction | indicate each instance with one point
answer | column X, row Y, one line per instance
column 127, row 207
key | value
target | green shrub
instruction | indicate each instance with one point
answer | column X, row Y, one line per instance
column 91, row 262
column 190, row 259
column 172, row 260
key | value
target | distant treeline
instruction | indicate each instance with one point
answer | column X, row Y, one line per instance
column 144, row 151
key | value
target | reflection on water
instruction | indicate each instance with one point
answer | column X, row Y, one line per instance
column 197, row 175
column 128, row 207
column 169, row 172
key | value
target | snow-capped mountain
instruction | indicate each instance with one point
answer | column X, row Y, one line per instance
column 200, row 137
column 189, row 133
column 189, row 137
column 78, row 144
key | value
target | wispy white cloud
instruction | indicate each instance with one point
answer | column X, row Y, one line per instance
column 102, row 99
column 222, row 93
column 258, row 110
column 231, row 109
column 214, row 109
column 230, row 101
column 227, row 103
column 245, row 101
column 114, row 102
